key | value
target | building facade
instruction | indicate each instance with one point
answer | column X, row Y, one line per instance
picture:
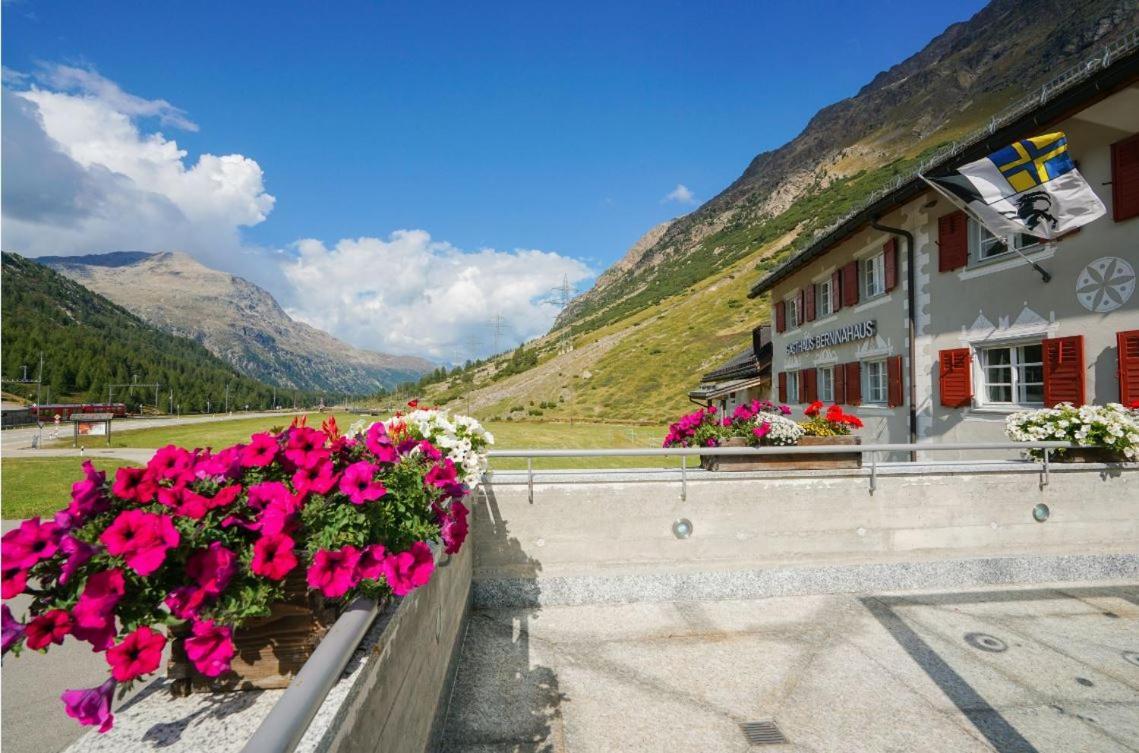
column 936, row 330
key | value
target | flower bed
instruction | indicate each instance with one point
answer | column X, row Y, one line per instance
column 205, row 542
column 762, row 423
column 1110, row 432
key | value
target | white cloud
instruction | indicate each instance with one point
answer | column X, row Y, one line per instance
column 80, row 176
column 682, row 194
column 410, row 294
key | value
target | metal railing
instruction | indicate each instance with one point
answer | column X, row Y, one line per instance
column 863, row 449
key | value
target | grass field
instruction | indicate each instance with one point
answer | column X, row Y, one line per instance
column 40, row 486
column 508, row 434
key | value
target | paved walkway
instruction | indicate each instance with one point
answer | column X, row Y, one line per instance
column 1020, row 670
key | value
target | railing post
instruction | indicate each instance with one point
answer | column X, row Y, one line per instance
column 873, row 472
column 1046, row 454
column 683, row 478
column 530, row 478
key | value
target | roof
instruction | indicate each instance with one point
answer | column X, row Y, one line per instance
column 1076, row 88
column 718, row 389
column 83, row 417
column 740, row 366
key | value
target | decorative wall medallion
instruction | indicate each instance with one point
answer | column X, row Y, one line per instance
column 1105, row 284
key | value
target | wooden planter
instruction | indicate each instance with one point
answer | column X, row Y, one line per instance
column 270, row 650
column 785, row 462
column 1088, row 455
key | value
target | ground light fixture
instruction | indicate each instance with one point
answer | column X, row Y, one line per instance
column 1040, row 513
column 682, row 528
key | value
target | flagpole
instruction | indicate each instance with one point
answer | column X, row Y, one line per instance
column 1044, row 274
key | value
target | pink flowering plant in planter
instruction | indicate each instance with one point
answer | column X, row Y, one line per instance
column 205, row 540
column 707, row 428
column 701, row 428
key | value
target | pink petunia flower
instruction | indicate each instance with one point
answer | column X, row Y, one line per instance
column 380, row 444
column 453, row 526
column 140, row 653
column 172, row 463
column 371, row 565
column 141, row 538
column 762, row 430
column 78, row 552
column 409, row 570
column 260, row 452
column 305, row 447
column 50, row 627
column 92, row 705
column 319, row 479
column 210, row 649
column 94, row 614
column 273, row 556
column 135, row 485
column 225, row 464
column 33, row 541
column 358, row 482
column 210, row 571
column 12, row 629
column 87, row 496
column 13, row 581
column 260, row 495
column 333, row 571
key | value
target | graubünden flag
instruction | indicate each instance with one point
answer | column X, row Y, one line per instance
column 1030, row 186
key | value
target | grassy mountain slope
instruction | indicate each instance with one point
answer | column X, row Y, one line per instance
column 675, row 305
column 88, row 342
column 237, row 321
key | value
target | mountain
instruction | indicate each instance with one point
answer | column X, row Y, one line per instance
column 88, row 343
column 236, row 321
column 851, row 147
column 676, row 305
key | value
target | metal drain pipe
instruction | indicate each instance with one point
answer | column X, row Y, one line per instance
column 911, row 319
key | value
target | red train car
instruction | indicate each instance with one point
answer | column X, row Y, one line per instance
column 48, row 411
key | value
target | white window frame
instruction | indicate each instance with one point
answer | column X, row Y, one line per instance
column 792, row 387
column 824, row 383
column 794, row 315
column 1016, row 366
column 873, row 276
column 883, row 382
column 824, row 299
column 983, row 244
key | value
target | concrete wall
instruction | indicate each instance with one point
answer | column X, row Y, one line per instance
column 581, row 526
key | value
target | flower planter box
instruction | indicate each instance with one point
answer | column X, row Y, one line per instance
column 270, row 650
column 786, row 462
column 1088, row 455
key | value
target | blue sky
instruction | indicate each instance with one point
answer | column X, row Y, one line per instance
column 558, row 127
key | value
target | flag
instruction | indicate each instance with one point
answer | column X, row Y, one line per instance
column 1030, row 186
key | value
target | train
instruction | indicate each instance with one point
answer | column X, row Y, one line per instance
column 48, row 411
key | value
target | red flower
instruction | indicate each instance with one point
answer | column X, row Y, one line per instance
column 210, row 649
column 333, row 571
column 50, row 627
column 273, row 556
column 329, row 427
column 261, row 451
column 139, row 654
column 814, row 408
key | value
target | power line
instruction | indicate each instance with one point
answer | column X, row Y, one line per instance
column 498, row 326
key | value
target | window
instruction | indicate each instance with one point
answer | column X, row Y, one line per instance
column 826, row 384
column 823, row 300
column 983, row 245
column 794, row 315
column 792, row 387
column 1013, row 374
column 875, row 382
column 873, row 276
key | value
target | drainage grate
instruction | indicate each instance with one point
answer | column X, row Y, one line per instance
column 763, row 733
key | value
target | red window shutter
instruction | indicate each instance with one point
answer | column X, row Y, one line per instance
column 782, row 386
column 1125, row 178
column 839, row 383
column 1128, row 367
column 952, row 241
column 955, row 377
column 890, row 261
column 853, row 379
column 1064, row 370
column 895, row 393
column 850, row 284
column 808, row 386
column 836, row 291
column 780, row 316
column 809, row 305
